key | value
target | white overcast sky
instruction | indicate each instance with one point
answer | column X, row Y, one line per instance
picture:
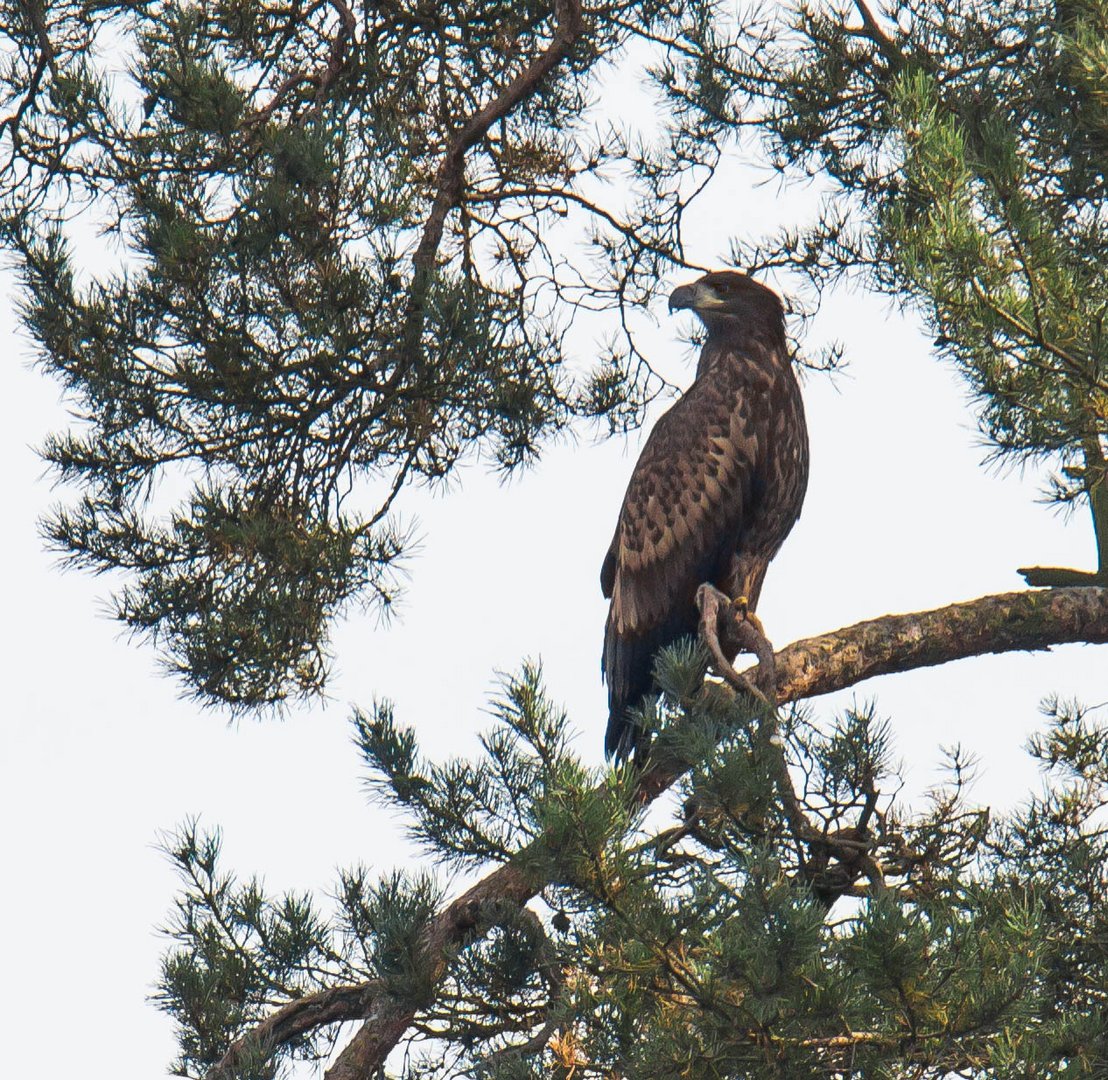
column 99, row 752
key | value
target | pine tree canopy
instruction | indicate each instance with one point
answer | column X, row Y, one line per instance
column 347, row 245
column 755, row 930
column 350, row 245
column 342, row 269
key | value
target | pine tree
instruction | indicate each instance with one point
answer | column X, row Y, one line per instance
column 345, row 272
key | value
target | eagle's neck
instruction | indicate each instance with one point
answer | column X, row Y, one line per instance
column 746, row 342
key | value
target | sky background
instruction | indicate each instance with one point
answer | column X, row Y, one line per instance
column 99, row 753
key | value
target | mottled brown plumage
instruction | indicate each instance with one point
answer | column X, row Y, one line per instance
column 717, row 488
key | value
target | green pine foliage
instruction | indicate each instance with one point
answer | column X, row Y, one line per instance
column 239, row 953
column 701, row 939
column 965, row 145
column 286, row 345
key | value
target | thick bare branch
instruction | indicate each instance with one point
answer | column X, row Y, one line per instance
column 297, row 1018
column 1010, row 622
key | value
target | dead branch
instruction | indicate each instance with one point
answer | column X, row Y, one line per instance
column 1022, row 621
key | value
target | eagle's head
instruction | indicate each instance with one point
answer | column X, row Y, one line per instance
column 726, row 295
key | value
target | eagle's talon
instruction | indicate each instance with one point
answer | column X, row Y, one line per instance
column 741, row 608
column 742, row 632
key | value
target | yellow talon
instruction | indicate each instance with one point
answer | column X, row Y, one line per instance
column 742, row 607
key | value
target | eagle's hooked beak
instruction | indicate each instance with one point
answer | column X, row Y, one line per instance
column 697, row 296
column 684, row 296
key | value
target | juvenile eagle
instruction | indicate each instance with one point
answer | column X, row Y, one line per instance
column 717, row 488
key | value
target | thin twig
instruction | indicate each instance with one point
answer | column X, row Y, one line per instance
column 46, row 62
column 554, row 978
column 323, row 80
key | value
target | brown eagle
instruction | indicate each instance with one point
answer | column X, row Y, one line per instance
column 717, row 488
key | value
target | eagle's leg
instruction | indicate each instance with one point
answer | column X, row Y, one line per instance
column 751, row 636
column 744, row 631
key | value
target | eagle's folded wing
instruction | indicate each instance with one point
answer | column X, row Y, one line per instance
column 680, row 518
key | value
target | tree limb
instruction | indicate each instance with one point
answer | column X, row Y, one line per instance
column 1009, row 622
column 872, row 30
column 46, row 61
column 325, row 79
column 448, row 180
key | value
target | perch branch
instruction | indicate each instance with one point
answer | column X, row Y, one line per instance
column 1010, row 622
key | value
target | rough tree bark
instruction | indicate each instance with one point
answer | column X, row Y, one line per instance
column 1010, row 622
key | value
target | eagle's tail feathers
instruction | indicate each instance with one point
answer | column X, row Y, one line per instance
column 628, row 667
column 627, row 670
column 624, row 741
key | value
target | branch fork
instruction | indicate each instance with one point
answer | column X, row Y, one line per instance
column 727, row 628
